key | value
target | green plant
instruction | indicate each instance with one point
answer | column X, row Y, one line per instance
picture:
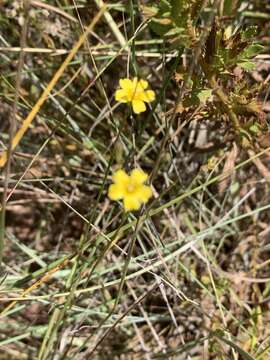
column 214, row 53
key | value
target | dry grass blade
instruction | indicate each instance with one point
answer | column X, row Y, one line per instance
column 27, row 122
column 12, row 130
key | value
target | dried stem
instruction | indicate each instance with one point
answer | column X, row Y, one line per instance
column 221, row 95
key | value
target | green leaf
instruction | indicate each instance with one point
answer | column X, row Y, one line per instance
column 159, row 28
column 204, row 95
column 249, row 33
column 246, row 65
column 252, row 50
column 177, row 12
column 164, row 5
column 254, row 128
column 149, row 11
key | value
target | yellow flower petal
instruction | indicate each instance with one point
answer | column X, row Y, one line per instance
column 116, row 192
column 131, row 202
column 133, row 91
column 138, row 106
column 126, row 84
column 121, row 96
column 138, row 176
column 120, row 178
column 130, row 188
column 144, row 193
column 143, row 84
column 149, row 96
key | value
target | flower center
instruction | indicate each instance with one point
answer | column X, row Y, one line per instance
column 130, row 188
column 133, row 94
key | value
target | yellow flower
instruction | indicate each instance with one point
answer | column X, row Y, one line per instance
column 130, row 188
column 134, row 92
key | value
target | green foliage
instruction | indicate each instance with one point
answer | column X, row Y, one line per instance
column 174, row 19
column 183, row 25
column 204, row 94
column 231, row 50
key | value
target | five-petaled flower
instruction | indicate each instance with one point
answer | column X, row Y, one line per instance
column 130, row 188
column 134, row 92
